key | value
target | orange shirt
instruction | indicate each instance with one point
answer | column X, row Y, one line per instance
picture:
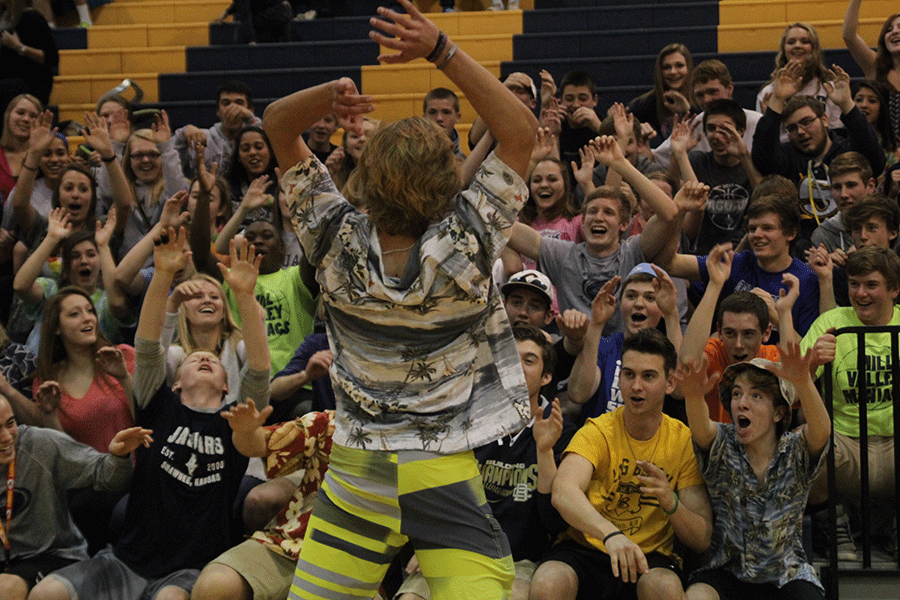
column 718, row 362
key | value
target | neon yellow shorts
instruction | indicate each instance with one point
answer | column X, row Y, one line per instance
column 371, row 503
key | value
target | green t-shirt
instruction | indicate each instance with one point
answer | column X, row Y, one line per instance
column 290, row 310
column 845, row 389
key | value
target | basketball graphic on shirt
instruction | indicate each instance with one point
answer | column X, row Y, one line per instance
column 726, row 205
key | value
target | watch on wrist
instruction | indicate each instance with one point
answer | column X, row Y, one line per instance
column 22, row 49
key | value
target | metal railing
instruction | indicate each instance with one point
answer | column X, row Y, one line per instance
column 832, row 574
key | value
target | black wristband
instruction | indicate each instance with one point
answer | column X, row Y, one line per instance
column 613, row 534
column 438, row 47
column 110, row 159
column 24, row 166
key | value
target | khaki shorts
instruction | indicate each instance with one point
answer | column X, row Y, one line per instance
column 847, row 464
column 416, row 584
column 269, row 574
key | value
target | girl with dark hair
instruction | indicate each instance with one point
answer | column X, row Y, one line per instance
column 549, row 209
column 251, row 159
column 871, row 99
column 85, row 255
column 882, row 65
column 82, row 387
column 75, row 188
column 672, row 95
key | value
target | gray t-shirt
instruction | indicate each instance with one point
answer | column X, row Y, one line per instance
column 48, row 464
column 729, row 195
column 578, row 275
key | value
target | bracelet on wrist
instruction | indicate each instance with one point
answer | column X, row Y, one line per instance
column 24, row 166
column 110, row 159
column 613, row 534
column 447, row 58
column 674, row 508
column 438, row 47
column 22, row 50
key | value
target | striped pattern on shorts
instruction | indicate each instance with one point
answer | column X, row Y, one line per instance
column 371, row 503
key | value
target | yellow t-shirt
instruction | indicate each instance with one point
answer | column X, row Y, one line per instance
column 615, row 490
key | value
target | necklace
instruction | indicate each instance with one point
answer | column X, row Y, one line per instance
column 385, row 252
column 656, row 434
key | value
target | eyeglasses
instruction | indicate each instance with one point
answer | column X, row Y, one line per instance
column 142, row 155
column 805, row 124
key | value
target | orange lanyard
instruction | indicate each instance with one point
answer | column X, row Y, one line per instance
column 10, row 487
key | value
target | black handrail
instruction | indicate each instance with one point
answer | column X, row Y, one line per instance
column 831, row 582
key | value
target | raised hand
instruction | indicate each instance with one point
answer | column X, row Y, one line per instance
column 607, row 150
column 103, row 232
column 770, row 303
column 551, row 117
column 256, row 196
column 623, row 121
column 838, row 88
column 736, row 145
column 546, row 432
column 41, row 133
column 96, row 134
column 681, row 139
column 794, row 365
column 349, row 105
column 788, row 80
column 241, row 277
column 58, row 225
column 184, row 291
column 666, row 295
column 126, row 441
column 676, row 102
column 48, row 396
column 412, row 37
column 604, row 303
column 168, row 252
column 173, row 213
column 548, row 88
column 691, row 197
column 544, row 144
column 111, row 361
column 244, row 418
column 788, row 295
column 573, row 324
column 718, row 263
column 584, row 174
column 693, row 379
column 205, row 177
column 161, row 129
